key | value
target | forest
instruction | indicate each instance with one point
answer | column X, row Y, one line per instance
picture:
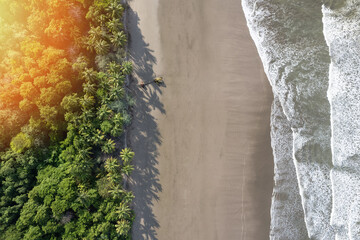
column 63, row 112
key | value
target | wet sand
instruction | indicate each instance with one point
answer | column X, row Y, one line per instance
column 204, row 167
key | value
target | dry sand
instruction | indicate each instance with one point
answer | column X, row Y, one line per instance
column 204, row 167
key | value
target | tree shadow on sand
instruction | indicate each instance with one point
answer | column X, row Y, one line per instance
column 144, row 135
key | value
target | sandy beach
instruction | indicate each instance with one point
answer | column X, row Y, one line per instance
column 204, row 165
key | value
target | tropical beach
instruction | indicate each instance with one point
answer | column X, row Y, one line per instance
column 203, row 164
column 169, row 120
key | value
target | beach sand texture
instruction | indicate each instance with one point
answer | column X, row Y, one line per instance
column 204, row 165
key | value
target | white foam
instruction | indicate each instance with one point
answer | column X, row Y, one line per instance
column 287, row 217
column 342, row 33
column 289, row 39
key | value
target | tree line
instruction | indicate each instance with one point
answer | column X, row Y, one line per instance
column 63, row 109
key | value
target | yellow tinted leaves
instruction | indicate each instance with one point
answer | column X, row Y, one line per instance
column 27, row 105
column 63, row 88
column 61, row 67
column 37, row 22
column 31, row 48
column 22, row 78
column 28, row 90
column 48, row 96
column 40, row 82
column 50, row 56
column 30, row 63
column 48, row 114
column 58, row 30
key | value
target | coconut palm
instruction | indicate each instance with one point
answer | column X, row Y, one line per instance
column 89, row 75
column 98, row 137
column 111, row 164
column 118, row 39
column 89, row 88
column 95, row 34
column 123, row 227
column 127, row 67
column 115, row 9
column 116, row 93
column 87, row 101
column 114, row 25
column 102, row 47
column 108, row 147
column 117, row 192
column 127, row 169
column 128, row 197
column 84, row 154
column 113, row 68
column 104, row 112
column 123, row 211
column 126, row 155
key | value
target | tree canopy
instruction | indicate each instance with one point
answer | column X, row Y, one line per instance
column 62, row 161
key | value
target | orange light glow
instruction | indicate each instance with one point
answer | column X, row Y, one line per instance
column 38, row 42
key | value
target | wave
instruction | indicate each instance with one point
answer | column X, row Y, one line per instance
column 341, row 31
column 287, row 216
column 289, row 38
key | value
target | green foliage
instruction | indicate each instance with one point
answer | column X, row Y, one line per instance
column 106, row 126
column 21, row 142
column 127, row 155
column 59, row 119
column 127, row 68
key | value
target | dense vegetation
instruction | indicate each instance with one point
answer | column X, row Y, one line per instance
column 63, row 109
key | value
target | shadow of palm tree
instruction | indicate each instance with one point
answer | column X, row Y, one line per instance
column 144, row 137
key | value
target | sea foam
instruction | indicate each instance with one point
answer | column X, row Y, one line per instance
column 289, row 38
column 287, row 216
column 342, row 32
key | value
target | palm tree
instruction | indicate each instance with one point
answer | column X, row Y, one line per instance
column 87, row 101
column 103, row 112
column 111, row 164
column 98, row 137
column 123, row 227
column 96, row 40
column 101, row 19
column 83, row 198
column 127, row 155
column 127, row 67
column 95, row 34
column 114, row 179
column 84, row 154
column 108, row 147
column 113, row 67
column 127, row 169
column 118, row 39
column 114, row 25
column 116, row 192
column 102, row 47
column 123, row 211
column 89, row 88
column 128, row 197
column 89, row 75
column 115, row 9
column 116, row 93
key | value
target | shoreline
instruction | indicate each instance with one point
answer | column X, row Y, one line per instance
column 207, row 158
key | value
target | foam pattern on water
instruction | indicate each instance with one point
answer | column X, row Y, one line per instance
column 289, row 38
column 287, row 217
column 342, row 33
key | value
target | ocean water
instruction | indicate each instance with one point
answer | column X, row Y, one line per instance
column 342, row 34
column 290, row 38
column 286, row 208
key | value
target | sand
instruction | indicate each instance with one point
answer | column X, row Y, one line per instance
column 204, row 165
